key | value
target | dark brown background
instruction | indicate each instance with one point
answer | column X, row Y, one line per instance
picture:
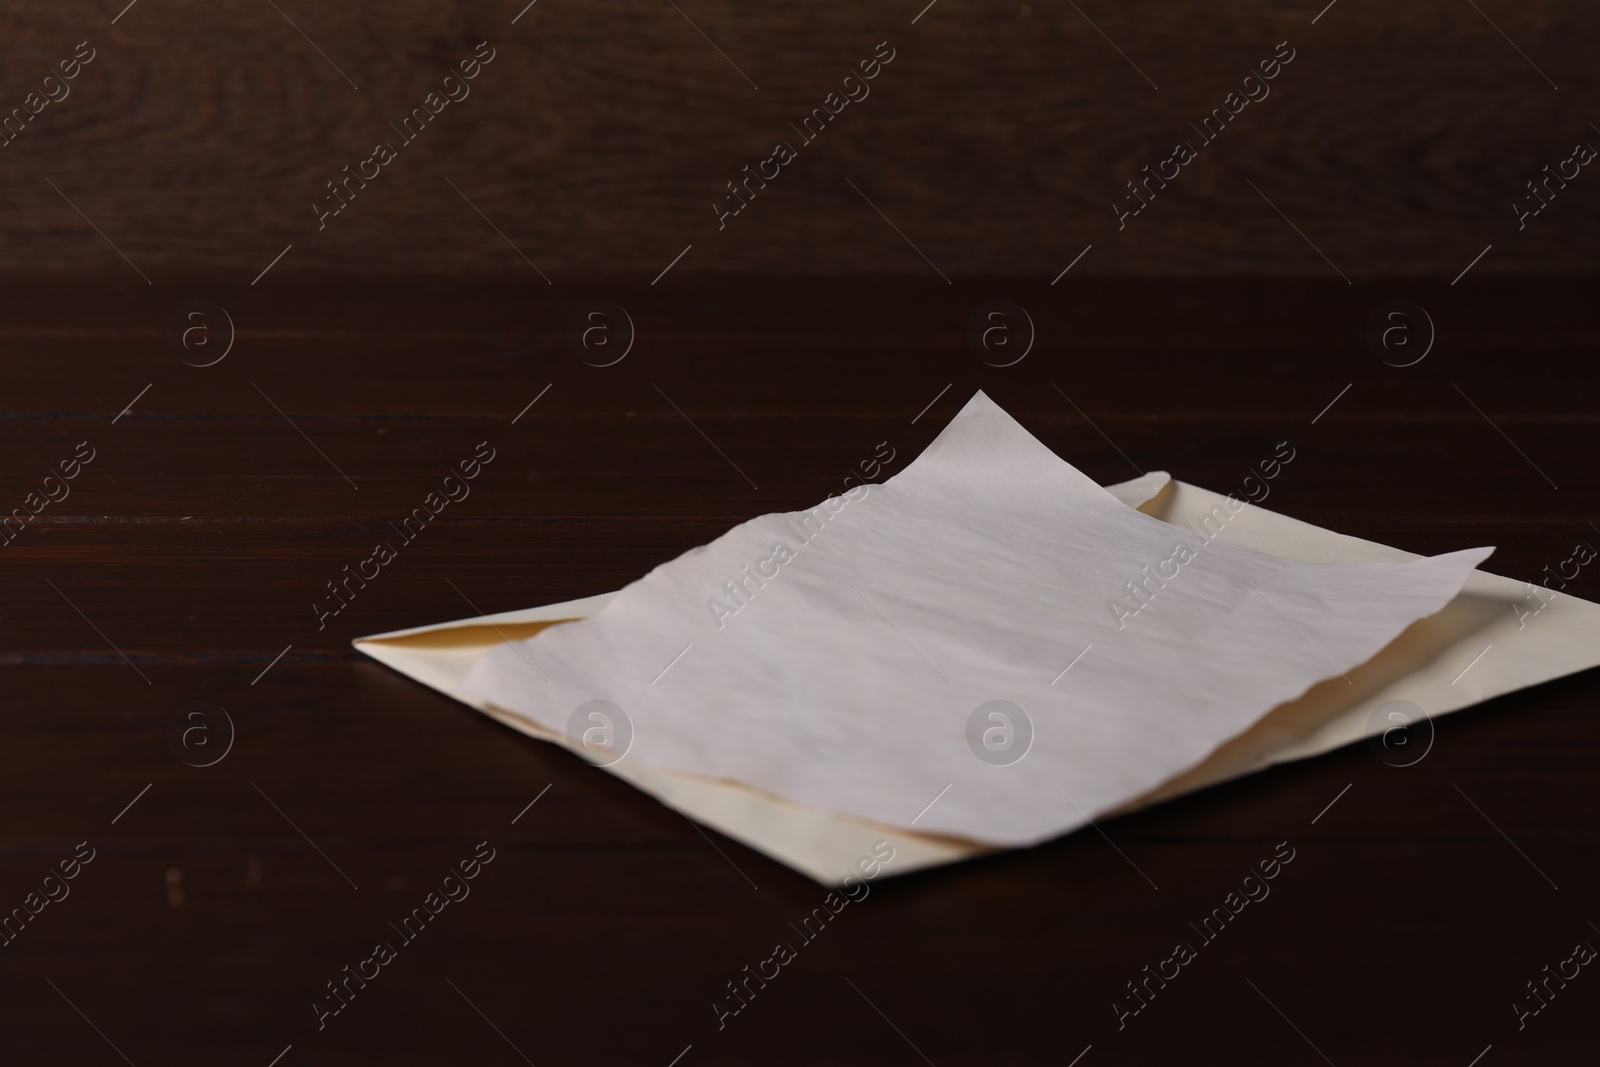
column 797, row 339
column 603, row 132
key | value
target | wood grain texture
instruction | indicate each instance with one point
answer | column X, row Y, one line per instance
column 601, row 135
column 186, row 556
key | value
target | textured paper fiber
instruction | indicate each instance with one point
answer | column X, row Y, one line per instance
column 843, row 659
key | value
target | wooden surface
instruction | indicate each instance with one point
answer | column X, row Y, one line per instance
column 189, row 551
column 601, row 135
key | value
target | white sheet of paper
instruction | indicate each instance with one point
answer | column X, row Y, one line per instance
column 854, row 645
column 1485, row 629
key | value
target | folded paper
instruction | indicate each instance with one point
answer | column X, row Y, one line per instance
column 898, row 658
column 1482, row 645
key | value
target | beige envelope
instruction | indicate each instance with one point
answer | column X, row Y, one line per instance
column 1497, row 636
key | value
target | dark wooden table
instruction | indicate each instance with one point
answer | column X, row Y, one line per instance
column 220, row 501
